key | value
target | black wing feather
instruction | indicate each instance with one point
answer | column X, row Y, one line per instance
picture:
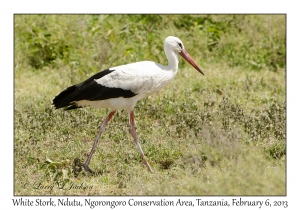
column 89, row 90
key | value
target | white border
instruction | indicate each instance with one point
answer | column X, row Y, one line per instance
column 9, row 8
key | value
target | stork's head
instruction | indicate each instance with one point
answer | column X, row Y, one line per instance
column 175, row 44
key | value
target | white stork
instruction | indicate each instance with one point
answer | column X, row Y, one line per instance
column 121, row 87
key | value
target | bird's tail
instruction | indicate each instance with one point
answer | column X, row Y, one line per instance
column 64, row 100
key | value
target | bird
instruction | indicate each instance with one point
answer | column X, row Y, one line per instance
column 121, row 87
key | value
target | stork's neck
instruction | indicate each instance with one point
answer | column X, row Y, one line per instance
column 172, row 60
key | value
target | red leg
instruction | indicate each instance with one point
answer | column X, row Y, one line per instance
column 102, row 126
column 133, row 133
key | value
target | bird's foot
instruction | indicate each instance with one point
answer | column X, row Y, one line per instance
column 87, row 168
column 148, row 166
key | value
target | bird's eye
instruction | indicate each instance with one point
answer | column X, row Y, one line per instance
column 180, row 45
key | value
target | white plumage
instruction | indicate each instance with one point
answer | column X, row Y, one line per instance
column 121, row 87
column 140, row 77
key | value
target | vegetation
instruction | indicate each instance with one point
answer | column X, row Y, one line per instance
column 219, row 134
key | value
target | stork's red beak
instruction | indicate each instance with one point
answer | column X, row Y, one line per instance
column 189, row 59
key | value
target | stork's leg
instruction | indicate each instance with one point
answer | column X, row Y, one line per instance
column 133, row 133
column 102, row 126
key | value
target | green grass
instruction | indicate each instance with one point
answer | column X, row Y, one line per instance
column 219, row 134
